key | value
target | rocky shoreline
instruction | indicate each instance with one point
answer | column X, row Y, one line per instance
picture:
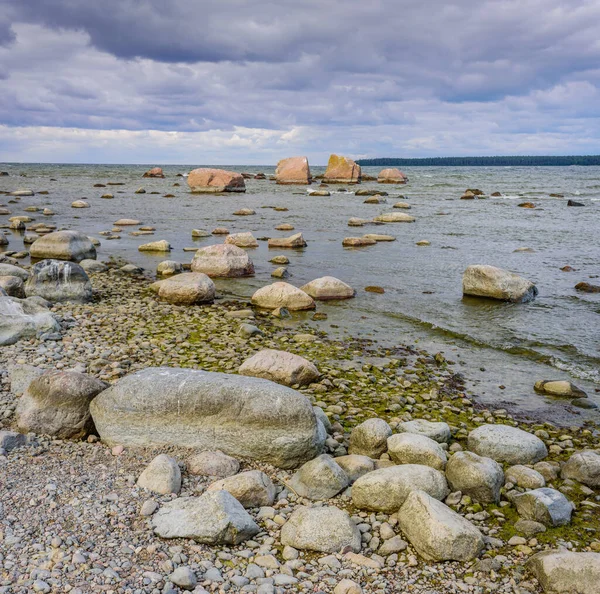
column 74, row 518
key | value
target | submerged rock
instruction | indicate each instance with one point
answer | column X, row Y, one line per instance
column 496, row 283
column 562, row 388
column 391, row 176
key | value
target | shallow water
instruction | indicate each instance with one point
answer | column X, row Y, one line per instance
column 556, row 336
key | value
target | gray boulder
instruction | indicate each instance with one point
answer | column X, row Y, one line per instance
column 11, row 270
column 9, row 440
column 252, row 488
column 189, row 288
column 476, row 476
column 566, row 572
column 24, row 318
column 12, row 286
column 559, row 388
column 524, row 477
column 370, row 438
column 21, row 376
column 355, row 466
column 583, row 467
column 214, row 518
column 63, row 245
column 322, row 529
column 438, row 431
column 242, row 416
column 410, row 448
column 437, row 532
column 321, row 478
column 281, row 367
column 507, row 444
column 222, row 260
column 213, row 464
column 57, row 403
column 496, row 283
column 56, row 280
column 162, row 475
column 386, row 489
column 547, row 506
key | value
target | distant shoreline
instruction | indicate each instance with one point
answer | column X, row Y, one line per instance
column 511, row 161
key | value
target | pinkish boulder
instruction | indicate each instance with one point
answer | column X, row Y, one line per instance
column 341, row 170
column 294, row 170
column 213, row 181
column 391, row 176
column 154, row 172
column 222, row 260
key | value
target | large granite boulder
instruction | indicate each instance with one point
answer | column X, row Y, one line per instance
column 57, row 403
column 214, row 181
column 547, row 506
column 222, row 260
column 321, row 529
column 341, row 170
column 437, row 532
column 566, row 572
column 293, row 170
column 327, row 288
column 391, row 176
column 57, row 280
column 318, row 479
column 281, row 367
column 189, row 288
column 476, row 476
column 241, row 416
column 24, row 318
column 252, row 488
column 282, row 294
column 386, row 489
column 507, row 444
column 583, row 467
column 214, row 518
column 495, row 283
column 63, row 245
column 154, row 172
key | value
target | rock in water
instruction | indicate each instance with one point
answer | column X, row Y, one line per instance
column 154, row 172
column 495, row 283
column 214, row 518
column 281, row 367
column 282, row 294
column 162, row 475
column 560, row 388
column 566, row 572
column 295, row 241
column 391, row 176
column 252, row 488
column 222, row 260
column 341, row 170
column 476, row 476
column 57, row 280
column 293, row 170
column 188, row 288
column 327, row 288
column 155, row 246
column 386, row 489
column 583, row 467
column 11, row 270
column 23, row 318
column 507, row 444
column 213, row 181
column 199, row 409
column 242, row 240
column 322, row 529
column 394, row 217
column 547, row 506
column 63, row 245
column 321, row 478
column 57, row 403
column 437, row 532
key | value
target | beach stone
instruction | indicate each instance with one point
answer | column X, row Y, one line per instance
column 213, row 464
column 13, row 286
column 478, row 477
column 23, row 318
column 21, row 376
column 376, row 199
column 63, row 245
column 127, row 222
column 583, row 467
column 188, row 288
column 404, row 205
column 496, row 283
column 354, row 465
column 324, row 529
column 566, row 572
column 91, row 266
column 222, row 260
column 319, row 193
column 282, row 295
column 80, row 204
column 192, row 408
column 293, row 170
column 437, row 532
column 294, row 241
column 249, row 330
column 347, row 587
column 327, row 288
column 16, row 225
column 525, row 477
column 438, row 431
column 9, row 440
column 410, row 448
column 529, row 527
column 11, row 270
column 57, row 403
column 379, row 237
column 507, row 444
column 358, row 241
column 214, row 518
column 58, row 280
column 561, row 388
column 162, row 475
column 168, row 268
column 200, row 233
column 154, row 172
column 396, row 544
column 155, row 246
column 212, row 181
column 280, row 272
column 242, row 240
column 341, row 170
column 244, row 212
column 391, row 176
column 319, row 479
column 547, row 506
column 386, row 489
column 252, row 488
column 370, row 438
column 281, row 367
column 394, row 217
column 21, row 193
column 184, row 577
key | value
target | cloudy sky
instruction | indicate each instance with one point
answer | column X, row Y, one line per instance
column 249, row 82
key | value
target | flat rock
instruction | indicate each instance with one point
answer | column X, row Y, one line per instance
column 155, row 246
column 394, row 217
column 560, row 388
column 294, row 241
column 242, row 240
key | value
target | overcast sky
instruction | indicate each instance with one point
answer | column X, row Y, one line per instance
column 249, row 82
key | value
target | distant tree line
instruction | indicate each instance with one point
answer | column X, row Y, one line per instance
column 523, row 161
